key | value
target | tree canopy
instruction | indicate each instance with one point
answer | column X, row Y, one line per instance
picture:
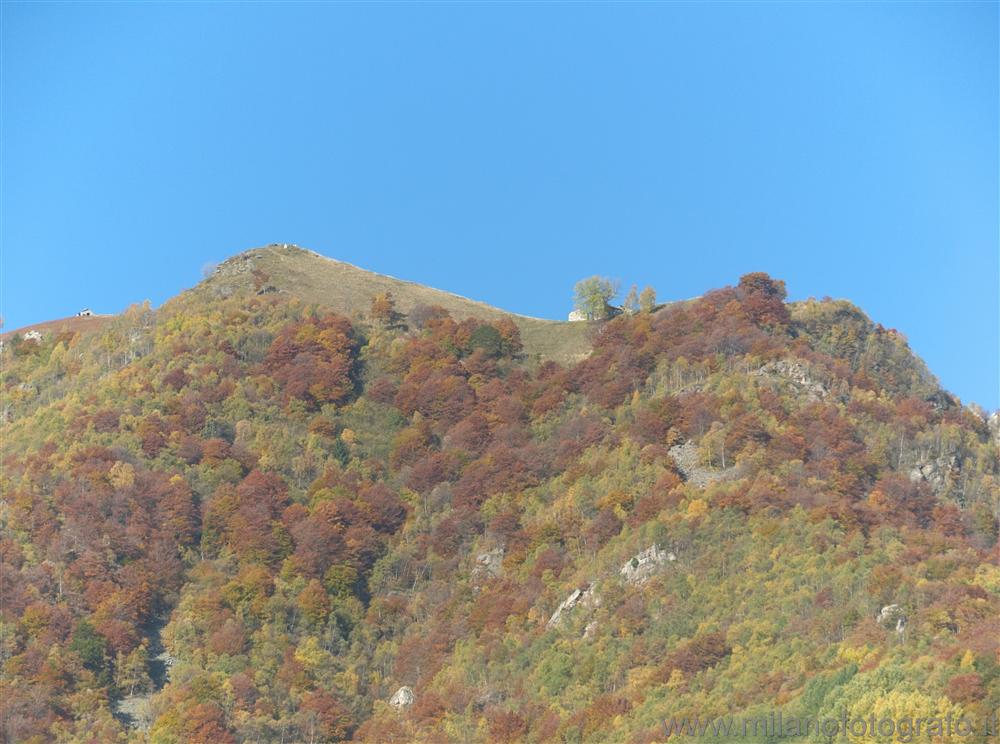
column 592, row 297
column 253, row 519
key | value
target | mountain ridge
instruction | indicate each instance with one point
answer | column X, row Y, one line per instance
column 392, row 280
column 333, row 283
column 349, row 289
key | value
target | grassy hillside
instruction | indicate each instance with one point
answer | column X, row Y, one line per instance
column 72, row 325
column 349, row 290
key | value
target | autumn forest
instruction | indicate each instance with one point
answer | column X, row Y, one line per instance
column 249, row 517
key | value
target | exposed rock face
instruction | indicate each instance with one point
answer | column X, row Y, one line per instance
column 403, row 697
column 798, row 374
column 892, row 616
column 233, row 272
column 642, row 566
column 994, row 423
column 229, row 270
column 584, row 596
column 689, row 463
column 136, row 711
column 939, row 473
column 489, row 565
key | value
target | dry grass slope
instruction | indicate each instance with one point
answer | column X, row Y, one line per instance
column 73, row 324
column 349, row 290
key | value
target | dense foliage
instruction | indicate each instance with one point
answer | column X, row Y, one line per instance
column 252, row 520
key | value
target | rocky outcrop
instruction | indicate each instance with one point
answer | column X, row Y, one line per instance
column 403, row 697
column 642, row 566
column 994, row 423
column 135, row 711
column 239, row 270
column 585, row 596
column 797, row 373
column 689, row 464
column 939, row 473
column 892, row 616
column 489, row 565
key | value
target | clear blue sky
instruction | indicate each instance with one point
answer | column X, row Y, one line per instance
column 504, row 151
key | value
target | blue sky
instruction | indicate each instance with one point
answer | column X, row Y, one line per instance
column 504, row 151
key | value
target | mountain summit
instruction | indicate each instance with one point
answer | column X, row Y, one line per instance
column 349, row 290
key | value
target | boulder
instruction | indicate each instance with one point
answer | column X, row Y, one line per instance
column 403, row 697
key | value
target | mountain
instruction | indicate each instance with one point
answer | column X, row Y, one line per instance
column 285, row 507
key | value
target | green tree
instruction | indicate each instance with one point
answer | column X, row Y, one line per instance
column 487, row 338
column 593, row 295
column 92, row 648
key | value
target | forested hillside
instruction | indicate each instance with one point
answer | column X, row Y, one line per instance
column 245, row 517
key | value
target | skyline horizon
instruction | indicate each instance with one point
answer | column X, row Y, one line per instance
column 210, row 267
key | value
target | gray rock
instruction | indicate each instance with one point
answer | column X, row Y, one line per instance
column 689, row 463
column 939, row 473
column 797, row 373
column 403, row 697
column 136, row 711
column 167, row 660
column 584, row 596
column 994, row 423
column 892, row 616
column 489, row 565
column 642, row 566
